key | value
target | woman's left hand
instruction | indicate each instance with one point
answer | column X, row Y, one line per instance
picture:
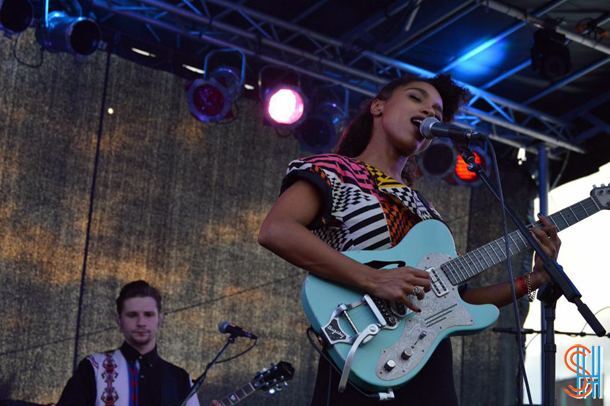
column 549, row 241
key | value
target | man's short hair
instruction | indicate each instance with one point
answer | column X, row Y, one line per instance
column 137, row 289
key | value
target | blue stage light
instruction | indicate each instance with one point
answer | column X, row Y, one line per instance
column 210, row 98
column 15, row 15
column 63, row 33
column 322, row 129
column 482, row 60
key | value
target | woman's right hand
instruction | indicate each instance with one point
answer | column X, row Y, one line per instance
column 398, row 283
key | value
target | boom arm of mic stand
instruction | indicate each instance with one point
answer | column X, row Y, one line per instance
column 560, row 283
column 199, row 381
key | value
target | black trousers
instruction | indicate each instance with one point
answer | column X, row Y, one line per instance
column 433, row 385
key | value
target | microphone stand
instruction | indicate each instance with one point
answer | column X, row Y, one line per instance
column 199, row 381
column 549, row 293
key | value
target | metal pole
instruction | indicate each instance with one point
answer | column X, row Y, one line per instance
column 543, row 194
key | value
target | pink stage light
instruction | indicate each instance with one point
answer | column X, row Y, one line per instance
column 286, row 106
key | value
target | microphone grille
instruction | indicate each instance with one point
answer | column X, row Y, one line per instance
column 222, row 326
column 425, row 127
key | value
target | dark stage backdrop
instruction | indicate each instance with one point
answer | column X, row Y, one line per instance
column 178, row 203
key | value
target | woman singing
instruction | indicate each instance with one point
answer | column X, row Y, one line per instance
column 362, row 198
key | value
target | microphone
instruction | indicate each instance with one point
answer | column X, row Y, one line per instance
column 431, row 128
column 227, row 328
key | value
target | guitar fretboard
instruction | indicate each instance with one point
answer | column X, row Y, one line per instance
column 466, row 267
column 238, row 395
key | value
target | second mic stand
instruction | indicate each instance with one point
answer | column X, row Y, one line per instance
column 199, row 381
column 549, row 293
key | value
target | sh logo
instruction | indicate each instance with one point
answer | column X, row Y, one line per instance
column 589, row 368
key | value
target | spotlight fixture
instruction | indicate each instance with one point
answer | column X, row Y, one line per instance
column 15, row 15
column 438, row 160
column 63, row 33
column 463, row 176
column 210, row 98
column 284, row 104
column 550, row 56
column 322, row 129
column 442, row 160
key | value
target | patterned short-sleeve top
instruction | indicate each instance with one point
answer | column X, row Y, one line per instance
column 363, row 208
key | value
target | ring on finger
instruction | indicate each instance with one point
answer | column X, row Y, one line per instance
column 416, row 290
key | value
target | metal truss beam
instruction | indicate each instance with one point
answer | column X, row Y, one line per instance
column 267, row 43
column 532, row 19
column 492, row 41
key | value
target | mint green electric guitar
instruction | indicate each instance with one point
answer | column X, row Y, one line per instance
column 381, row 345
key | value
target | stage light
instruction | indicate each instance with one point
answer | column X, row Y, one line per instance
column 550, row 56
column 284, row 103
column 442, row 160
column 322, row 129
column 15, row 15
column 285, row 106
column 210, row 98
column 438, row 160
column 63, row 33
column 463, row 176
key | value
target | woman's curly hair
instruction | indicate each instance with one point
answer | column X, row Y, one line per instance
column 357, row 134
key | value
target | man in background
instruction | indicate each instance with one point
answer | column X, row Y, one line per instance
column 134, row 374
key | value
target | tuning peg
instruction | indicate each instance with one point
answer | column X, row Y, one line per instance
column 272, row 391
column 285, row 383
column 278, row 387
column 265, row 369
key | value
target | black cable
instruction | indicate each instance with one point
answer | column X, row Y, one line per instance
column 240, row 354
column 510, row 269
column 96, row 332
column 332, row 364
column 90, row 214
column 25, row 63
column 262, row 285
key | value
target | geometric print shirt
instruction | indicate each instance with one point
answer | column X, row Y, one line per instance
column 362, row 207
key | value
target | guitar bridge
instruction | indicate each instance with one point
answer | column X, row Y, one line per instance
column 334, row 333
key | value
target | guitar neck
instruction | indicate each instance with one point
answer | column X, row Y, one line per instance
column 239, row 395
column 466, row 267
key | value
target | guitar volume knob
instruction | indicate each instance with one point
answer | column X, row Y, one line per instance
column 390, row 365
column 406, row 354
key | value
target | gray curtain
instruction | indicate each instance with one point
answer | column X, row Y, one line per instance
column 157, row 195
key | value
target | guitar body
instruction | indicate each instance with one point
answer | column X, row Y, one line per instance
column 408, row 344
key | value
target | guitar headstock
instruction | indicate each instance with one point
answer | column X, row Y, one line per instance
column 601, row 195
column 269, row 379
